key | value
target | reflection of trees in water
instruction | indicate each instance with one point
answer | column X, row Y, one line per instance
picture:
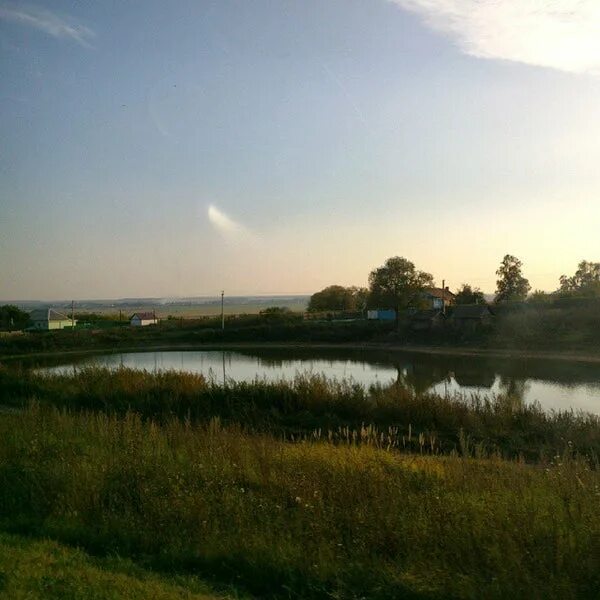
column 513, row 390
column 420, row 372
column 419, row 377
column 272, row 362
column 475, row 377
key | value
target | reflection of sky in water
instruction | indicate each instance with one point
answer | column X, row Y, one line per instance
column 241, row 367
column 550, row 395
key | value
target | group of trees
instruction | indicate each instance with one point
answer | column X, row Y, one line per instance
column 339, row 298
column 398, row 283
column 469, row 295
column 12, row 317
column 393, row 285
column 585, row 281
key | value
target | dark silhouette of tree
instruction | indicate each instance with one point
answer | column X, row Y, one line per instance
column 586, row 280
column 511, row 286
column 396, row 284
column 468, row 295
column 12, row 317
column 337, row 297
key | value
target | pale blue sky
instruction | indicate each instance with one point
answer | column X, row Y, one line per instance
column 327, row 136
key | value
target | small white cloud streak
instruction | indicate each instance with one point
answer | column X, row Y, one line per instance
column 224, row 224
column 560, row 34
column 44, row 20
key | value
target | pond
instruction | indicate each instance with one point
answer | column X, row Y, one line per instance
column 554, row 384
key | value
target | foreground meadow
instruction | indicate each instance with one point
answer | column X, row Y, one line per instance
column 45, row 570
column 308, row 519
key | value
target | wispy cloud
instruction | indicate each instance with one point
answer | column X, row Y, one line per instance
column 561, row 34
column 58, row 26
column 224, row 224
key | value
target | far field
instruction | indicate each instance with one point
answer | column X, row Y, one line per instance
column 194, row 308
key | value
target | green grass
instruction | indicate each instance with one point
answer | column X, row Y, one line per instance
column 303, row 520
column 315, row 405
column 46, row 570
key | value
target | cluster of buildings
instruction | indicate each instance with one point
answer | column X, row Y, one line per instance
column 437, row 306
column 432, row 313
column 48, row 319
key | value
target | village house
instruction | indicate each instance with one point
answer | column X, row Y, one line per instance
column 142, row 319
column 427, row 320
column 50, row 319
column 438, row 298
column 470, row 317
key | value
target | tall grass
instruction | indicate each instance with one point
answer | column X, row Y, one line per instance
column 304, row 520
column 46, row 570
column 315, row 405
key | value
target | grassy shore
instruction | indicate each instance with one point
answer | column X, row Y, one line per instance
column 315, row 406
column 305, row 520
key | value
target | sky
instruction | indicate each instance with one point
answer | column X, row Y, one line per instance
column 158, row 149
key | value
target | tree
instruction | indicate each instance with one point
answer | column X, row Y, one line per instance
column 12, row 317
column 468, row 295
column 396, row 284
column 360, row 296
column 338, row 297
column 586, row 280
column 511, row 285
column 539, row 297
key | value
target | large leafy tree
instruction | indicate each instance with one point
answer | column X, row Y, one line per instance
column 338, row 297
column 469, row 295
column 511, row 286
column 397, row 284
column 586, row 280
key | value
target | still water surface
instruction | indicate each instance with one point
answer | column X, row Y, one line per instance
column 554, row 384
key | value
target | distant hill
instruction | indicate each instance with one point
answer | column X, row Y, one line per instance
column 178, row 307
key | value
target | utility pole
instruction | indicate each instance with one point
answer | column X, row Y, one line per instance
column 443, row 296
column 222, row 310
column 73, row 316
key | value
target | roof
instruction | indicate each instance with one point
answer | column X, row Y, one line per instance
column 471, row 311
column 426, row 315
column 48, row 314
column 436, row 292
column 144, row 316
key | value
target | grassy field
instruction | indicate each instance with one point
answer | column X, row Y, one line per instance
column 45, row 570
column 299, row 520
column 197, row 310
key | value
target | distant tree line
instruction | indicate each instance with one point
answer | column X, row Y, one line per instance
column 398, row 285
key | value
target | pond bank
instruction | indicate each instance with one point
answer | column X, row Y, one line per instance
column 586, row 356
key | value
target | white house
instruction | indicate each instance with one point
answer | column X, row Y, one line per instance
column 142, row 319
column 49, row 318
